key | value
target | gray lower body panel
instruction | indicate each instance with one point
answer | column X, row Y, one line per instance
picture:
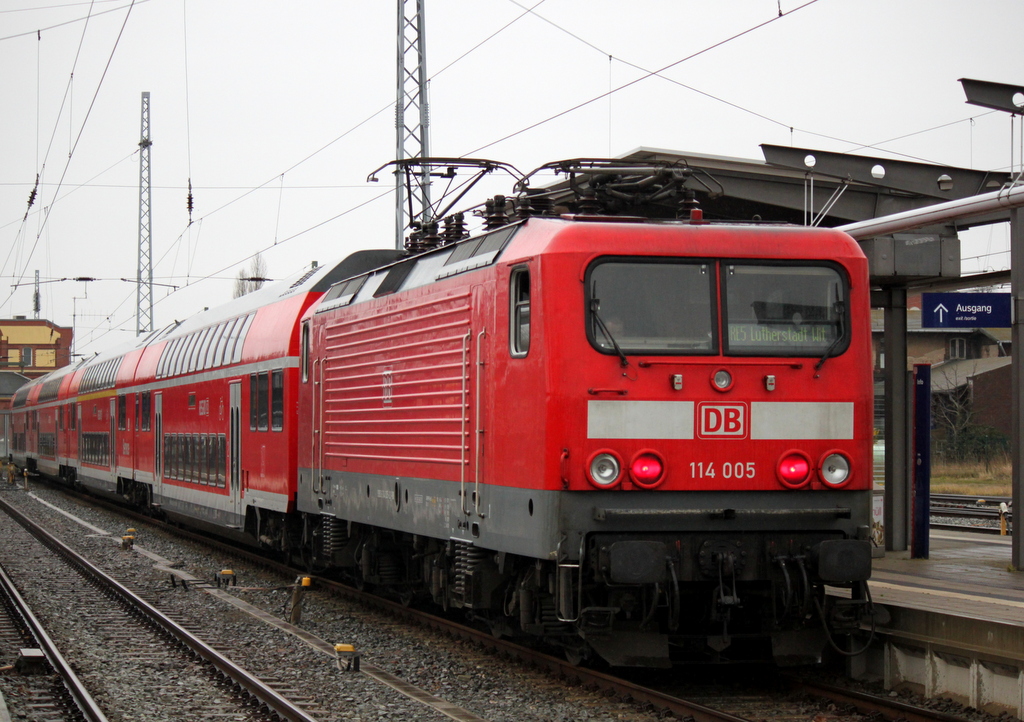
column 535, row 523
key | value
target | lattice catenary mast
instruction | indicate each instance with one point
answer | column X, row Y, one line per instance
column 411, row 116
column 144, row 293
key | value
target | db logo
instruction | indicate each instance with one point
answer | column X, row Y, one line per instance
column 723, row 420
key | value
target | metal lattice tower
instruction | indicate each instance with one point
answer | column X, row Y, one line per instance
column 411, row 116
column 144, row 293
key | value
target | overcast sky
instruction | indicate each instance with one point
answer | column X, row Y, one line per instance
column 278, row 111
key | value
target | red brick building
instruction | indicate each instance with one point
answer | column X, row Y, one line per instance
column 33, row 347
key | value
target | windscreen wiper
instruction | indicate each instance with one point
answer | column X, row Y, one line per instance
column 594, row 305
column 840, row 310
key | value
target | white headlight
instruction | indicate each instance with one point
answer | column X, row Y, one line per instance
column 835, row 469
column 722, row 380
column 605, row 469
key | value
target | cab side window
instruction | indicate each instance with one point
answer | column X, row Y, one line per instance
column 519, row 313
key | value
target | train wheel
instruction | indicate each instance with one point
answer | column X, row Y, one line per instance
column 576, row 653
column 500, row 628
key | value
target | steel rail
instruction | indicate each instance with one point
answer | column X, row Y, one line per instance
column 964, row 529
column 869, row 703
column 888, row 709
column 554, row 665
column 79, row 694
column 260, row 691
column 970, row 500
column 966, row 512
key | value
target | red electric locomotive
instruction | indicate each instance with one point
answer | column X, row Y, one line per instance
column 648, row 440
column 642, row 440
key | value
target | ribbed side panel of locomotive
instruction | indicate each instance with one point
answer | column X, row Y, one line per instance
column 388, row 394
column 396, row 384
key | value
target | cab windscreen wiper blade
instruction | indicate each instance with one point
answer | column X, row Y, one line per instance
column 594, row 304
column 840, row 310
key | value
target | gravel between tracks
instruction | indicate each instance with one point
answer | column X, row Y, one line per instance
column 456, row 671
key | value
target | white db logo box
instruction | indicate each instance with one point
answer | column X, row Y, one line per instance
column 718, row 421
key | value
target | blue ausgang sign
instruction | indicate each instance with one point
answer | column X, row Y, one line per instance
column 965, row 310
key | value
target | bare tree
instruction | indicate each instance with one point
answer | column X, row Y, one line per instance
column 251, row 280
column 953, row 414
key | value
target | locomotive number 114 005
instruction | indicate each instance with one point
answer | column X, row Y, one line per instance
column 728, row 470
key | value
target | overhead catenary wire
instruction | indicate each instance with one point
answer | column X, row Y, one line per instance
column 645, row 76
column 711, row 96
column 65, row 102
column 279, row 177
column 216, row 274
column 72, row 21
column 462, row 56
column 77, row 140
column 75, row 187
column 191, row 254
column 189, row 205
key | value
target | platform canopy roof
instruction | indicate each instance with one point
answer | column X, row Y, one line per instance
column 794, row 185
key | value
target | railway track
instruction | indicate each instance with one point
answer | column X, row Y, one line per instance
column 790, row 699
column 986, row 511
column 171, row 669
column 970, row 506
column 48, row 686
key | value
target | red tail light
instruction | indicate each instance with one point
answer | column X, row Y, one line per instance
column 794, row 469
column 647, row 469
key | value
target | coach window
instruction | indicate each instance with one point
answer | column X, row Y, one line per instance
column 253, row 403
column 238, row 336
column 122, row 412
column 258, row 393
column 519, row 315
column 174, row 455
column 277, row 400
column 304, row 352
column 217, row 349
column 203, row 454
column 222, row 460
column 147, row 410
column 262, row 382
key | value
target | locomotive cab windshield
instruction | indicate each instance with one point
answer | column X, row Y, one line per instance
column 665, row 307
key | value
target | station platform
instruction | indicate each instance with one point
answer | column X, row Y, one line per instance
column 966, row 574
column 951, row 625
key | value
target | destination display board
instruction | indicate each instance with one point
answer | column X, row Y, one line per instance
column 965, row 310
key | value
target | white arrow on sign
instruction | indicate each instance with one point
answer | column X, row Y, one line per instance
column 940, row 309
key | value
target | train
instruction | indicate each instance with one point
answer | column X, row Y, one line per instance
column 628, row 433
